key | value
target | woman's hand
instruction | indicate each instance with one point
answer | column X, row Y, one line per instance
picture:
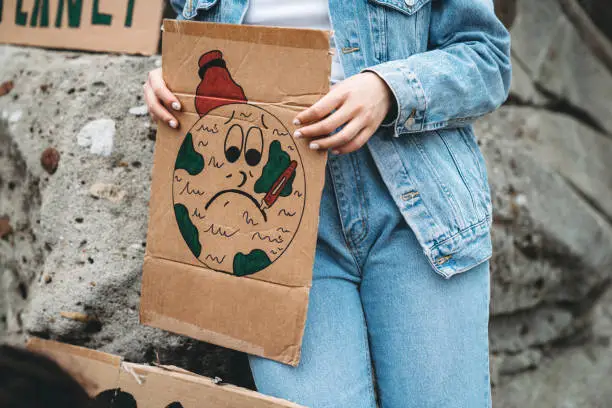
column 361, row 103
column 160, row 100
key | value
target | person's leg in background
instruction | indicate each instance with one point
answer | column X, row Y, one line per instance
column 428, row 335
column 335, row 365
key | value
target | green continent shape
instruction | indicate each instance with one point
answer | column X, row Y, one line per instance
column 188, row 230
column 188, row 159
column 255, row 261
column 278, row 161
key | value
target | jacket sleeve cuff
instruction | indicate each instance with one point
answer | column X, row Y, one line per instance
column 408, row 94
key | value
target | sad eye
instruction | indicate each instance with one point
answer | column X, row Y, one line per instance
column 233, row 143
column 253, row 146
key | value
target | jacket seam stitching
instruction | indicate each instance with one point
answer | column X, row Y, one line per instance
column 347, row 242
column 471, row 228
column 408, row 10
column 362, row 204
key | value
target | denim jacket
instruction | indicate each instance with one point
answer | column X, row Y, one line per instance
column 447, row 62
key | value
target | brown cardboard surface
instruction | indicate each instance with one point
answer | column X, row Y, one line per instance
column 190, row 390
column 95, row 370
column 273, row 65
column 150, row 387
column 235, row 198
column 161, row 226
column 129, row 26
column 247, row 314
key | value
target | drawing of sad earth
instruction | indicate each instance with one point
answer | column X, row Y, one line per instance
column 238, row 189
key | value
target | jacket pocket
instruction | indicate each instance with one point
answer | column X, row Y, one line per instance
column 408, row 7
column 483, row 190
column 470, row 166
column 460, row 167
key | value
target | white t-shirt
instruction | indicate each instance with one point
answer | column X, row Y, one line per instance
column 295, row 14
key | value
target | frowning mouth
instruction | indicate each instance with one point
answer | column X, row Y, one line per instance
column 240, row 192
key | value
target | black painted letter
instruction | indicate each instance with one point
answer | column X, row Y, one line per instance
column 98, row 18
column 21, row 17
column 75, row 9
column 44, row 14
column 130, row 13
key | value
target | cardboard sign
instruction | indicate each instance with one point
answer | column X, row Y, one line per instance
column 119, row 384
column 235, row 198
column 112, row 25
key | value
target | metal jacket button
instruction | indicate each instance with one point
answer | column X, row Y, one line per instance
column 409, row 195
column 409, row 122
column 442, row 260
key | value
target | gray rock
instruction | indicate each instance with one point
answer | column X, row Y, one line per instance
column 552, row 53
column 79, row 234
column 107, row 191
column 552, row 233
column 142, row 110
column 506, row 11
column 21, row 251
column 523, row 331
column 15, row 116
column 495, row 363
column 98, row 135
column 518, row 363
column 552, row 200
column 523, row 87
column 82, row 230
column 600, row 13
column 576, row 377
column 533, row 31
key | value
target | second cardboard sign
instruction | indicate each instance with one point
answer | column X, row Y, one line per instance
column 235, row 198
column 114, row 383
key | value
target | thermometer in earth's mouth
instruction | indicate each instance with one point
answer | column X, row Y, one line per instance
column 278, row 186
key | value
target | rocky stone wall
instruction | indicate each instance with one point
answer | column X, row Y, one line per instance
column 71, row 260
column 549, row 152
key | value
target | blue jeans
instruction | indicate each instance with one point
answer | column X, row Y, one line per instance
column 379, row 316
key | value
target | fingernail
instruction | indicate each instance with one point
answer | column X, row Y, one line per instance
column 176, row 106
column 314, row 146
column 335, row 152
column 296, row 122
column 297, row 134
column 173, row 124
